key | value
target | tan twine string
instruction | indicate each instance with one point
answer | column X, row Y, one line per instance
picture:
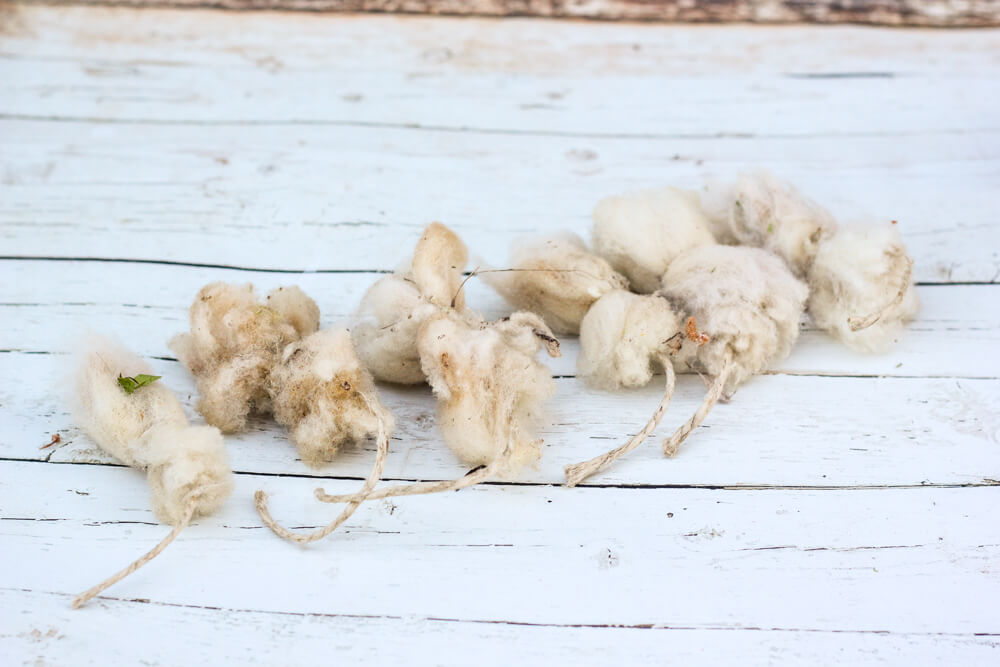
column 189, row 508
column 859, row 323
column 578, row 472
column 260, row 498
column 671, row 444
column 419, row 488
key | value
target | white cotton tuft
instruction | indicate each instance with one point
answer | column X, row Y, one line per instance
column 625, row 338
column 762, row 211
column 641, row 233
column 862, row 287
column 234, row 342
column 438, row 262
column 745, row 299
column 556, row 277
column 322, row 393
column 148, row 430
column 489, row 386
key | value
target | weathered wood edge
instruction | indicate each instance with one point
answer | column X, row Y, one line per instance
column 906, row 13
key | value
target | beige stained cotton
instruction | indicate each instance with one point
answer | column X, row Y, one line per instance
column 556, row 277
column 640, row 233
column 186, row 465
column 234, row 342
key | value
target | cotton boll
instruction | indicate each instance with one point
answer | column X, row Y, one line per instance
column 761, row 211
column 296, row 307
column 233, row 343
column 624, row 338
column 186, row 465
column 861, row 287
column 324, row 395
column 438, row 262
column 745, row 299
column 556, row 277
column 385, row 336
column 641, row 233
column 489, row 392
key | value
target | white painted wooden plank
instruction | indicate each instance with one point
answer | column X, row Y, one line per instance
column 355, row 198
column 511, row 75
column 889, row 560
column 777, row 431
column 47, row 630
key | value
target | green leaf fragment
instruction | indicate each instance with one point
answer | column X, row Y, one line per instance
column 770, row 228
column 130, row 384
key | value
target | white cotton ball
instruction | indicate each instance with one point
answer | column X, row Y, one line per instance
column 320, row 391
column 640, row 233
column 489, row 392
column 745, row 299
column 390, row 315
column 233, row 343
column 625, row 337
column 148, row 429
column 556, row 277
column 863, row 276
column 762, row 211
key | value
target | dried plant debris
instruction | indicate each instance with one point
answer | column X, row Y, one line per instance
column 747, row 302
column 641, row 233
column 146, row 428
column 234, row 342
column 861, row 287
column 556, row 277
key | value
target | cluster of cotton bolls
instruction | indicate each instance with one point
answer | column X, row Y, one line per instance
column 715, row 283
column 718, row 285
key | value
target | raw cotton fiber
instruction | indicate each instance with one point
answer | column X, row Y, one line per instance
column 641, row 233
column 186, row 465
column 761, row 211
column 557, row 278
column 322, row 393
column 394, row 308
column 861, row 287
column 234, row 342
column 748, row 305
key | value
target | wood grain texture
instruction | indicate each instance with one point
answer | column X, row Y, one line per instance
column 837, row 510
column 929, row 13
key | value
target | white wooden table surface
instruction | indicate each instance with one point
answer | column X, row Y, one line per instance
column 841, row 509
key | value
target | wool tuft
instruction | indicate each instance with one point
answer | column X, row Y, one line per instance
column 762, row 211
column 556, row 277
column 322, row 393
column 186, row 465
column 234, row 342
column 861, row 287
column 641, row 233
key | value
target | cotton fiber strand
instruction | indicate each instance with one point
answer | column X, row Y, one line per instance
column 186, row 465
column 556, row 277
column 861, row 287
column 641, row 233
